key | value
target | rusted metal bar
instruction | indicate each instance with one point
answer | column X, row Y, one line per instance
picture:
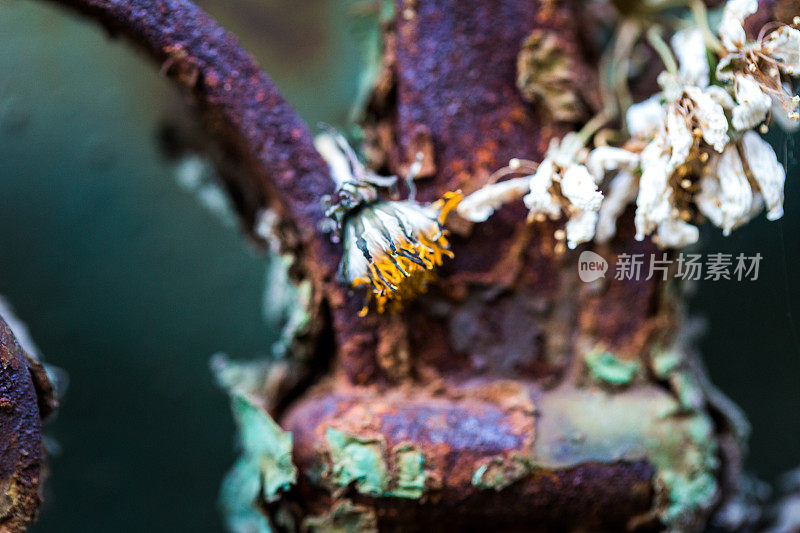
column 25, row 398
column 243, row 110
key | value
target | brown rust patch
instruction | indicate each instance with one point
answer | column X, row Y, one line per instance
column 22, row 453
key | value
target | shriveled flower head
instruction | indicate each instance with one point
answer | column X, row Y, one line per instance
column 758, row 68
column 392, row 247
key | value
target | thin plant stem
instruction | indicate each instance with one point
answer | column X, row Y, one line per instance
column 662, row 49
column 700, row 15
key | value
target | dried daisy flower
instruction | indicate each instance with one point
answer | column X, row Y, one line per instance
column 390, row 247
column 756, row 67
column 393, row 247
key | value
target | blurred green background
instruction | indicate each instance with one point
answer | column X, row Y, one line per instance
column 130, row 285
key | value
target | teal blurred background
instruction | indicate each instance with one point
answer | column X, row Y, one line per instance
column 129, row 284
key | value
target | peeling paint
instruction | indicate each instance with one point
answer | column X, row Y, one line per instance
column 499, row 472
column 264, row 469
column 687, row 496
column 357, row 460
column 664, row 363
column 271, row 447
column 410, row 473
column 632, row 426
column 344, row 517
column 604, row 366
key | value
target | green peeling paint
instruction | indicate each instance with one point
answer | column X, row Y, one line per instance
column 343, row 518
column 687, row 495
column 666, row 362
column 632, row 426
column 239, row 491
column 264, row 469
column 499, row 472
column 357, row 460
column 604, row 366
column 264, row 440
column 410, row 474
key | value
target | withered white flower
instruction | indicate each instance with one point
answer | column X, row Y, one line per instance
column 731, row 27
column 675, row 233
column 562, row 184
column 539, row 200
column 725, row 196
column 580, row 228
column 760, row 63
column 709, row 113
column 768, row 174
column 783, row 45
column 752, row 104
column 392, row 248
column 481, row 204
column 579, row 187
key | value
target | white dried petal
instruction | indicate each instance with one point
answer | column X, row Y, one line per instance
column 646, row 118
column 354, row 264
column 607, row 158
column 564, row 152
column 726, row 198
column 679, row 136
column 711, row 118
column 784, row 46
column 731, row 28
column 689, row 46
column 539, row 199
column 621, row 191
column 675, row 233
column 752, row 106
column 481, row 204
column 768, row 174
column 720, row 96
column 578, row 186
column 580, row 228
column 654, row 201
column 330, row 151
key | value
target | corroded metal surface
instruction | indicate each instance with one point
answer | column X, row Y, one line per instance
column 429, row 418
column 21, row 451
column 489, row 426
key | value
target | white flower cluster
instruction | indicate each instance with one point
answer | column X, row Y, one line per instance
column 560, row 185
column 691, row 149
